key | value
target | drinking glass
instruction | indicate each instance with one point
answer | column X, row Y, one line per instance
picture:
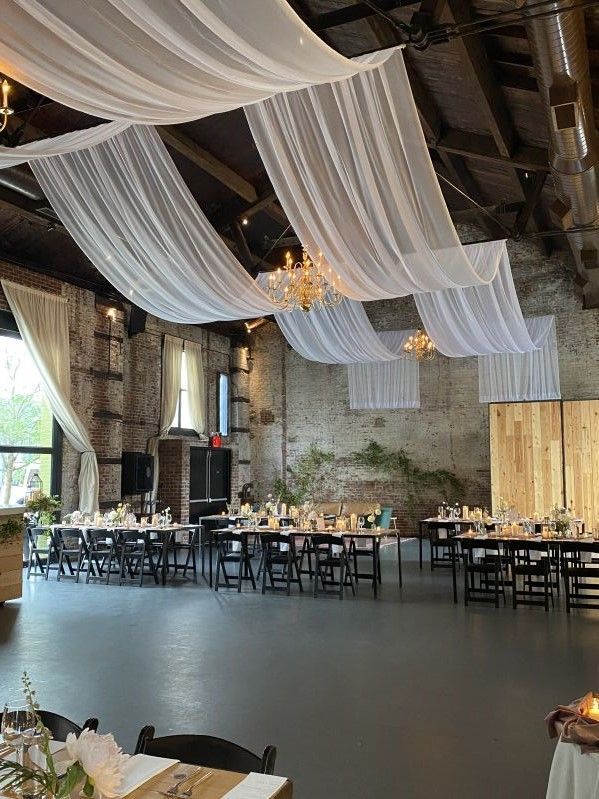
column 360, row 522
column 18, row 729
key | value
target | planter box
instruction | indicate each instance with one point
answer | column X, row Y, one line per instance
column 11, row 567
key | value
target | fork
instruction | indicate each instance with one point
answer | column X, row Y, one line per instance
column 174, row 789
column 187, row 793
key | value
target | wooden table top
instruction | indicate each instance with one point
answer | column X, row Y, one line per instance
column 585, row 539
column 214, row 788
column 368, row 533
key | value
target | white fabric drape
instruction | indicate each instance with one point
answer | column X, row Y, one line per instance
column 196, row 388
column 351, row 168
column 172, row 349
column 163, row 61
column 58, row 145
column 128, row 208
column 480, row 320
column 523, row 377
column 387, row 384
column 43, row 323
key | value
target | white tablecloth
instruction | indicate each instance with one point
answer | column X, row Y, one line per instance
column 573, row 775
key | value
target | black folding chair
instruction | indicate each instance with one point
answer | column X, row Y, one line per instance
column 580, row 572
column 531, row 577
column 330, row 553
column 102, row 559
column 187, row 548
column 42, row 548
column 135, row 549
column 483, row 576
column 239, row 556
column 279, row 550
column 206, row 750
column 71, row 545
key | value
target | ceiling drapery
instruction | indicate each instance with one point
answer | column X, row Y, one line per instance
column 351, row 168
column 163, row 61
column 128, row 208
column 385, row 385
column 523, row 377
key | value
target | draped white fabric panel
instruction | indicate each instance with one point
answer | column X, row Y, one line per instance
column 58, row 145
column 523, row 377
column 351, row 168
column 43, row 323
column 128, row 208
column 163, row 61
column 480, row 320
column 172, row 349
column 386, row 384
column 196, row 386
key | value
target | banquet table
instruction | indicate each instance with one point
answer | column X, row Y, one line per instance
column 367, row 534
column 450, row 524
column 573, row 775
column 164, row 533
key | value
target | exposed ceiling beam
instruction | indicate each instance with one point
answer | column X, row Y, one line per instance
column 480, row 147
column 489, row 96
column 244, row 253
column 532, row 188
column 354, row 13
column 28, row 209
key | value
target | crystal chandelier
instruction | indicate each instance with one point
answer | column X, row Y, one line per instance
column 419, row 347
column 304, row 285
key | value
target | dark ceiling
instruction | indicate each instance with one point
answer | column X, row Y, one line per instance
column 479, row 106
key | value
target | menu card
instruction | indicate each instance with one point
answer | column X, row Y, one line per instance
column 256, row 786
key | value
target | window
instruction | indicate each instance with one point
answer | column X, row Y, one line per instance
column 222, row 403
column 30, row 440
column 182, row 420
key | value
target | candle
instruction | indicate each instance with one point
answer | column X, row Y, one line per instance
column 593, row 709
column 465, row 511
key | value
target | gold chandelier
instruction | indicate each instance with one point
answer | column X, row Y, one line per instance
column 304, row 285
column 419, row 347
column 5, row 110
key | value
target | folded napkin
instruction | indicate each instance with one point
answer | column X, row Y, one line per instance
column 256, row 786
column 575, row 726
column 141, row 768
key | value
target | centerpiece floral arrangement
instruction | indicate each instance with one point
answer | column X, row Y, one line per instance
column 563, row 519
column 40, row 508
column 373, row 513
column 95, row 761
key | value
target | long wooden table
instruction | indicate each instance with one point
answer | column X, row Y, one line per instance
column 214, row 788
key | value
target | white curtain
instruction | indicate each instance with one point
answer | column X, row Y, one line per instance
column 480, row 320
column 387, row 384
column 58, row 145
column 523, row 377
column 351, row 168
column 172, row 349
column 43, row 323
column 128, row 208
column 162, row 61
column 196, row 388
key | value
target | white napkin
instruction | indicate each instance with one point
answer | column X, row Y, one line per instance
column 141, row 768
column 256, row 786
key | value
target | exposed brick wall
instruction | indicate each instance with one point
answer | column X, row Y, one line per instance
column 116, row 389
column 450, row 430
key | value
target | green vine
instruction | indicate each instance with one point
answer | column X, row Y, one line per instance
column 10, row 531
column 303, row 478
column 415, row 478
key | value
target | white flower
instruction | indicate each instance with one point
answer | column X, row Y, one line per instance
column 101, row 759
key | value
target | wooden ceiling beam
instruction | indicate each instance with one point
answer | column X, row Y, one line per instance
column 483, row 148
column 489, row 95
column 354, row 13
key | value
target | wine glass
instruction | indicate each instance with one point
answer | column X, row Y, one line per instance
column 361, row 522
column 18, row 728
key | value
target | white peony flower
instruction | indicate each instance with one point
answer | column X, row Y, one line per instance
column 101, row 758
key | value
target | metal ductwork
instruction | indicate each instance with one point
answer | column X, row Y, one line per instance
column 559, row 53
column 21, row 182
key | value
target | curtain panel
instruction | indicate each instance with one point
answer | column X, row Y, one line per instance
column 196, row 386
column 523, row 377
column 43, row 323
column 385, row 385
column 172, row 349
column 163, row 61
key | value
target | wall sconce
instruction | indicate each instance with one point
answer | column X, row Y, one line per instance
column 5, row 110
column 254, row 324
column 111, row 314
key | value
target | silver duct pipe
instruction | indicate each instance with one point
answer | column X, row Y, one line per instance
column 559, row 53
column 20, row 181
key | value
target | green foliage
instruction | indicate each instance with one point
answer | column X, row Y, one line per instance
column 10, row 530
column 303, row 479
column 415, row 478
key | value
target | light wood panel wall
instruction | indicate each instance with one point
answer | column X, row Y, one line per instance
column 526, row 455
column 581, row 449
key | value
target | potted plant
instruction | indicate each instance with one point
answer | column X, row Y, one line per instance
column 41, row 508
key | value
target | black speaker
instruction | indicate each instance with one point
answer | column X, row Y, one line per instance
column 137, row 473
column 137, row 321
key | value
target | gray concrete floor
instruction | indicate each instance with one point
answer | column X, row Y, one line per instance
column 408, row 696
